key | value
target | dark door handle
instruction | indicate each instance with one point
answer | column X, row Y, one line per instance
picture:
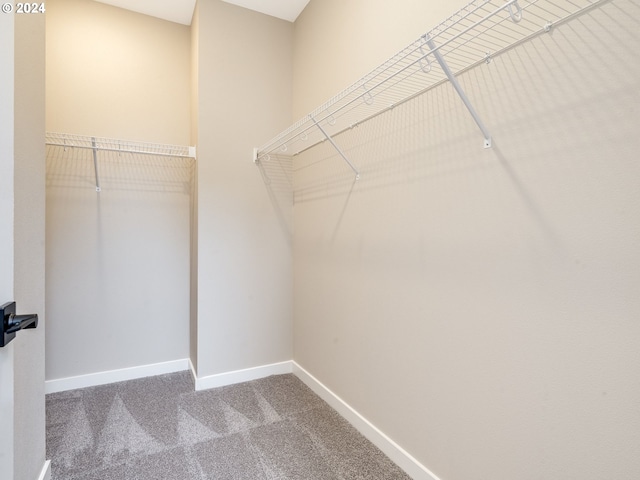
column 10, row 323
column 18, row 322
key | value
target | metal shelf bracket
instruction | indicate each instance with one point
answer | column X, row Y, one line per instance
column 454, row 81
column 95, row 163
column 340, row 152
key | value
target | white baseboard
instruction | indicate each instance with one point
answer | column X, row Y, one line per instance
column 239, row 376
column 46, row 471
column 397, row 454
column 112, row 376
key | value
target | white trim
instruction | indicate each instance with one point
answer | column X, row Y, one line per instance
column 46, row 471
column 395, row 452
column 112, row 376
column 239, row 376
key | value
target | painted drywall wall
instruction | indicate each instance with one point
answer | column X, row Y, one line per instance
column 383, row 28
column 244, row 230
column 116, row 73
column 193, row 299
column 29, row 252
column 7, row 82
column 480, row 306
column 118, row 261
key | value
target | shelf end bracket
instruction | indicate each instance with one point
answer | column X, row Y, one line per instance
column 340, row 152
column 461, row 93
column 94, row 147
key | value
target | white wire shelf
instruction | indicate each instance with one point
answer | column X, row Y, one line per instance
column 113, row 145
column 476, row 33
column 97, row 144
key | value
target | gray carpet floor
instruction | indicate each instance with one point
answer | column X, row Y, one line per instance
column 160, row 428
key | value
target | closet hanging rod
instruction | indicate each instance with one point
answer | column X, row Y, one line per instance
column 475, row 34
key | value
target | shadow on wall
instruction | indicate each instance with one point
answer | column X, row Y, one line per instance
column 277, row 176
column 117, row 260
column 496, row 287
column 543, row 102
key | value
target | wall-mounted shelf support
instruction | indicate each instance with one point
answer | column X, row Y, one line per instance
column 94, row 146
column 454, row 81
column 340, row 152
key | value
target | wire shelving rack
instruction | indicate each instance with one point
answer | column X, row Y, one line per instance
column 98, row 144
column 474, row 34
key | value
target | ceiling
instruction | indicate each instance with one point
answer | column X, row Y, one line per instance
column 181, row 11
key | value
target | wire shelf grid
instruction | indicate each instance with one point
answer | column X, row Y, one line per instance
column 476, row 33
column 123, row 146
column 96, row 144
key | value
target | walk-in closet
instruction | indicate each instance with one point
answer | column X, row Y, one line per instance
column 336, row 239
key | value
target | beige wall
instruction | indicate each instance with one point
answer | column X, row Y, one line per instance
column 479, row 306
column 353, row 38
column 244, row 250
column 29, row 253
column 118, row 261
column 117, row 74
column 193, row 300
